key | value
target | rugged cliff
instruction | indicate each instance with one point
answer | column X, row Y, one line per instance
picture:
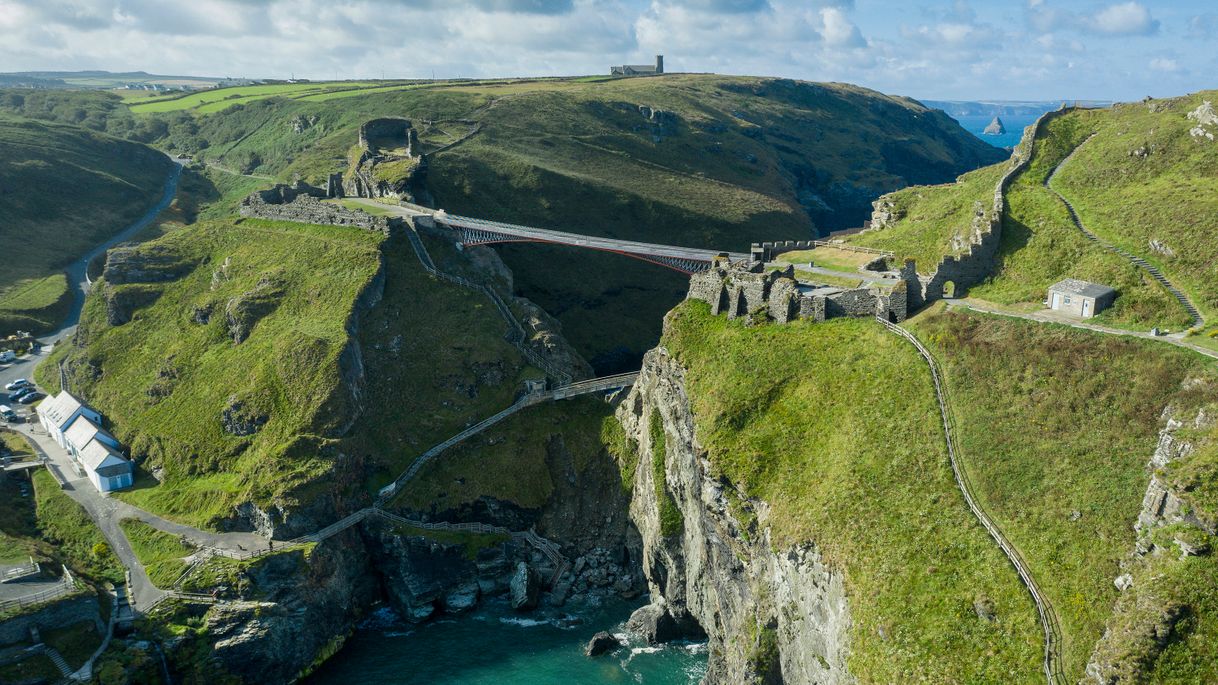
column 772, row 615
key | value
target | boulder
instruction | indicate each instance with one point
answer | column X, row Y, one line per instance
column 525, row 588
column 601, row 643
column 462, row 598
column 655, row 624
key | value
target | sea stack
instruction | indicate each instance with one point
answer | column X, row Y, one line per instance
column 995, row 128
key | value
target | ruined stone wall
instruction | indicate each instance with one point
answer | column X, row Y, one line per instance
column 974, row 265
column 743, row 290
column 389, row 127
column 283, row 203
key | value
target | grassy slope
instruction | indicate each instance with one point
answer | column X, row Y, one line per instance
column 932, row 216
column 77, row 542
column 165, row 380
column 1170, row 196
column 1054, row 420
column 161, row 554
column 1128, row 200
column 840, row 436
column 510, row 461
column 1040, row 245
column 65, row 190
column 732, row 166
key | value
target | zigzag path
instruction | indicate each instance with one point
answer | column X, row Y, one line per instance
column 1051, row 662
column 1155, row 273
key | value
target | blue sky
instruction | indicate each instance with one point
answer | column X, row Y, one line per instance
column 950, row 49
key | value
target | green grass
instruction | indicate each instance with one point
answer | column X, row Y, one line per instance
column 36, row 668
column 75, row 642
column 834, row 425
column 832, row 258
column 76, row 541
column 43, row 228
column 471, row 543
column 731, row 167
column 1170, row 195
column 932, row 217
column 1053, row 420
column 161, row 554
column 515, row 460
column 218, row 99
column 671, row 520
column 167, row 379
column 19, row 536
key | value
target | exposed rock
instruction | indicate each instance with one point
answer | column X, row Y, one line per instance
column 720, row 573
column 462, row 598
column 1161, row 248
column 201, row 315
column 995, row 128
column 240, row 419
column 245, row 310
column 655, row 624
column 884, row 213
column 301, row 123
column 122, row 302
column 984, row 608
column 601, row 643
column 526, row 588
column 1204, row 116
column 143, row 264
column 1123, row 582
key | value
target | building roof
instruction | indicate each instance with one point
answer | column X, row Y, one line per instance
column 1073, row 286
column 82, row 430
column 98, row 454
column 60, row 408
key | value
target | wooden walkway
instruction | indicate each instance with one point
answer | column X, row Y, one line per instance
column 1051, row 663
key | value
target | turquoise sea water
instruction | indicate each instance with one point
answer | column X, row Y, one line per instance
column 497, row 646
column 1013, row 123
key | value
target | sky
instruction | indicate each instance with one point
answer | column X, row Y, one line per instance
column 947, row 49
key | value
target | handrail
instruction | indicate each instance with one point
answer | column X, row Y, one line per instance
column 66, row 585
column 1052, row 667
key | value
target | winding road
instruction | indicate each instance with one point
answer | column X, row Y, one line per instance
column 1139, row 262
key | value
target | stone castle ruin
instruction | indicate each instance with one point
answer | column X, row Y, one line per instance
column 756, row 293
column 386, row 162
column 302, row 203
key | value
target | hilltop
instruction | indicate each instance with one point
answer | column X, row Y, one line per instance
column 65, row 190
column 1140, row 179
column 698, row 160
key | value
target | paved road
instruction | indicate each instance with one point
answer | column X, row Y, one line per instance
column 1047, row 316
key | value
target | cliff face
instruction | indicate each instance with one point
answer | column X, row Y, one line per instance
column 771, row 615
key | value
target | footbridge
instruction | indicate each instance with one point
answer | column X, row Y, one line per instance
column 687, row 260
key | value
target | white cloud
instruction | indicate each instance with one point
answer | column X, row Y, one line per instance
column 1165, row 64
column 1124, row 19
column 838, row 30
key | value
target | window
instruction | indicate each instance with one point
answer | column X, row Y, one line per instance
column 1067, row 299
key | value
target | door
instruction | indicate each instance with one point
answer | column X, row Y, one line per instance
column 1057, row 301
column 1086, row 308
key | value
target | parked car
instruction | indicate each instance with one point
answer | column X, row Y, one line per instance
column 16, row 396
column 8, row 356
column 32, row 398
column 17, row 384
column 7, row 413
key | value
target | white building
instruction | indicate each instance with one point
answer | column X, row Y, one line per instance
column 1080, row 298
column 57, row 413
column 106, row 467
column 77, row 428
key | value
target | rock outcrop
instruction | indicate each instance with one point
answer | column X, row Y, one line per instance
column 601, row 643
column 770, row 615
column 995, row 128
column 1205, row 120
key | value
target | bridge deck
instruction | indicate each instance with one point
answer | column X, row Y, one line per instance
column 579, row 240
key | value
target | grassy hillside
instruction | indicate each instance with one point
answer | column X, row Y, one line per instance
column 65, row 190
column 1144, row 178
column 1140, row 180
column 697, row 160
column 167, row 377
column 840, row 435
column 1056, row 426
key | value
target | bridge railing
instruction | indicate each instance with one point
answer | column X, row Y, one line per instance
column 66, row 585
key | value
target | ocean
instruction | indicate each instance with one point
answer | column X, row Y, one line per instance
column 498, row 646
column 1014, row 123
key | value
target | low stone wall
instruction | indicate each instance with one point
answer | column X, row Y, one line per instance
column 767, row 252
column 57, row 614
column 283, row 203
column 749, row 291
